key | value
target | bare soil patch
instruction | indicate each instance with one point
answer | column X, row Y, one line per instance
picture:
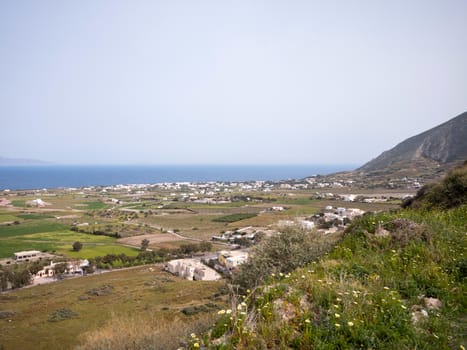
column 152, row 238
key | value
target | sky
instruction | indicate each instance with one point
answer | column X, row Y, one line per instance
column 226, row 82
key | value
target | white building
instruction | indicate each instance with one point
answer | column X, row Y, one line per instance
column 192, row 269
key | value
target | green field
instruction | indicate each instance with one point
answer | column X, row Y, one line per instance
column 11, row 245
column 8, row 218
column 34, row 216
column 93, row 250
column 95, row 205
column 26, row 228
column 67, row 237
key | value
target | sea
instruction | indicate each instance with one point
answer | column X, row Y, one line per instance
column 66, row 176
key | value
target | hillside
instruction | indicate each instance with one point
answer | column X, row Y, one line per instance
column 395, row 281
column 440, row 147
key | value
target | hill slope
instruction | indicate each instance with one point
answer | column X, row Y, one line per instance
column 444, row 145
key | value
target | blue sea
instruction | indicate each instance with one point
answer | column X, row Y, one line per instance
column 60, row 176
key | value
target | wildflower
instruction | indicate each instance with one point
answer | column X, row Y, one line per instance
column 248, row 291
column 273, row 274
column 303, row 276
column 336, row 306
column 337, row 315
column 243, row 313
column 355, row 303
column 239, row 306
column 462, row 347
column 221, row 312
column 386, row 288
column 281, row 274
column 434, row 335
column 350, row 323
column 196, row 345
column 393, row 250
column 307, row 320
column 228, row 311
column 337, row 325
column 404, row 307
column 193, row 335
column 338, row 299
column 243, row 304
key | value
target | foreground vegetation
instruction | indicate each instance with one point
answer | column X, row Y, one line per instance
column 376, row 289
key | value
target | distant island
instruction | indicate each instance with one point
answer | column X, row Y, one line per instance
column 16, row 161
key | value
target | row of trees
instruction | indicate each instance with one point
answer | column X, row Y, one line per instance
column 149, row 256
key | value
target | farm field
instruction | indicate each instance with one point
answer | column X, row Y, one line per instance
column 68, row 313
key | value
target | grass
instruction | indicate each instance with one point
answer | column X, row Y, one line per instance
column 8, row 218
column 20, row 203
column 95, row 205
column 10, row 246
column 67, row 237
column 140, row 300
column 363, row 294
column 93, row 250
column 34, row 216
column 31, row 227
column 234, row 217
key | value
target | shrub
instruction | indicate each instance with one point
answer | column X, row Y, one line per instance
column 281, row 254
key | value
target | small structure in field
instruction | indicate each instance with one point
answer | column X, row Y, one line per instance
column 192, row 269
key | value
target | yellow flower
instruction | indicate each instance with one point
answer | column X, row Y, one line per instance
column 386, row 288
column 307, row 320
column 462, row 347
column 337, row 325
column 193, row 335
column 221, row 312
column 404, row 307
column 350, row 323
column 196, row 345
column 338, row 299
column 228, row 312
column 337, row 315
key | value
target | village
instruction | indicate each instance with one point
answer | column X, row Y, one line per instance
column 201, row 267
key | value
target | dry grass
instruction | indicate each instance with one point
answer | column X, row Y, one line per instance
column 138, row 333
column 147, row 293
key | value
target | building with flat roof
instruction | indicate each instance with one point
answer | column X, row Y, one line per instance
column 27, row 255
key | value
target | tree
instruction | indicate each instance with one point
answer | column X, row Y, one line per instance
column 77, row 246
column 59, row 269
column 205, row 246
column 144, row 244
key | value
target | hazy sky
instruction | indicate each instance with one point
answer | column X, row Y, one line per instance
column 208, row 82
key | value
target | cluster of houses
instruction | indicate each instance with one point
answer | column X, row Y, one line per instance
column 244, row 236
column 224, row 261
column 76, row 267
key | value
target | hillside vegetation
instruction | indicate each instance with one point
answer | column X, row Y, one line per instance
column 395, row 281
column 449, row 193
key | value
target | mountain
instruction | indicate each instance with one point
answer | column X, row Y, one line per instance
column 437, row 149
column 13, row 161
